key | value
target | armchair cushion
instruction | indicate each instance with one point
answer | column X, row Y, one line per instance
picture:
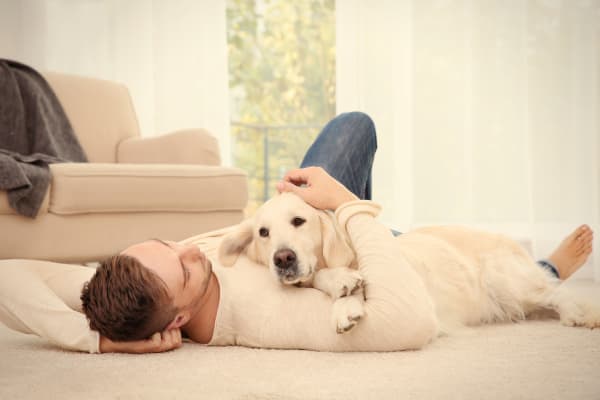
column 109, row 188
column 191, row 146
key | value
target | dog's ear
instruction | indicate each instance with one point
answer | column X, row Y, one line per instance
column 336, row 249
column 234, row 243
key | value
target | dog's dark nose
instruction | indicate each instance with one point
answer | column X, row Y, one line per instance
column 284, row 258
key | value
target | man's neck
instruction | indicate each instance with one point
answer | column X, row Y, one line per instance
column 201, row 325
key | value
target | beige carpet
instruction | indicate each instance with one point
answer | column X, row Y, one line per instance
column 529, row 360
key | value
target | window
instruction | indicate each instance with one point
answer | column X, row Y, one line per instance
column 282, row 84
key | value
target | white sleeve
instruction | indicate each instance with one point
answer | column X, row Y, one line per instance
column 396, row 298
column 42, row 298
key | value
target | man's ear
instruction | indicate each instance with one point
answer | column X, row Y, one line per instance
column 234, row 243
column 336, row 249
column 180, row 319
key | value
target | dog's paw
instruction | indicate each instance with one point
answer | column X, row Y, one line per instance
column 347, row 311
column 585, row 315
column 349, row 282
column 339, row 282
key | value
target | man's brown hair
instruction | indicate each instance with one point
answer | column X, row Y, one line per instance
column 125, row 301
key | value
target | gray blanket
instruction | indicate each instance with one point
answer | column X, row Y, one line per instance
column 34, row 132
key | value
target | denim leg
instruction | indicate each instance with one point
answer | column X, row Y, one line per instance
column 546, row 264
column 345, row 148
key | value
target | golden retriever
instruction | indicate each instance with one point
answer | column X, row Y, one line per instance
column 472, row 277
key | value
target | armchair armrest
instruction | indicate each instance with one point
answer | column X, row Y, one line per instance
column 191, row 146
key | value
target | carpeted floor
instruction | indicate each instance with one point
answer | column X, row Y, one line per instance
column 529, row 360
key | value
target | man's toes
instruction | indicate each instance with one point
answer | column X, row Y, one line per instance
column 587, row 235
column 585, row 239
column 577, row 233
column 580, row 234
column 584, row 251
column 583, row 242
column 584, row 228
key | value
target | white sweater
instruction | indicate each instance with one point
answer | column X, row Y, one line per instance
column 254, row 310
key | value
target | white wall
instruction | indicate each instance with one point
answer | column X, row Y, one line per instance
column 171, row 54
column 487, row 112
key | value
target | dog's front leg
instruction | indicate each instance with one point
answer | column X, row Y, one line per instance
column 338, row 282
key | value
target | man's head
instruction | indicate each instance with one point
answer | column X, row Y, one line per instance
column 149, row 287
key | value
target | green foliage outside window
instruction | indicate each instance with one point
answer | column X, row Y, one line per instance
column 282, row 84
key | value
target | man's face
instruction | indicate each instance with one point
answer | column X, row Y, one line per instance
column 185, row 269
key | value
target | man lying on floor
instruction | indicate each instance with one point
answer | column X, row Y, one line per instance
column 167, row 287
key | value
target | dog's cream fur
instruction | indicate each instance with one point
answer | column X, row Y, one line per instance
column 472, row 277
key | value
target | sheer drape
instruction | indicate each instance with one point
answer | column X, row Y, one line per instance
column 171, row 54
column 487, row 111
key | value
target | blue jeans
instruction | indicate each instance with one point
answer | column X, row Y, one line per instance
column 345, row 148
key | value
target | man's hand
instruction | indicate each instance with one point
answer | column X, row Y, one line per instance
column 158, row 343
column 315, row 186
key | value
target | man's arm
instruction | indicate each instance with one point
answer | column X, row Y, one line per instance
column 42, row 298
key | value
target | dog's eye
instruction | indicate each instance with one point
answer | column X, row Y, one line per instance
column 264, row 232
column 297, row 221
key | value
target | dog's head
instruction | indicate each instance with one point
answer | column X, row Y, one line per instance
column 290, row 237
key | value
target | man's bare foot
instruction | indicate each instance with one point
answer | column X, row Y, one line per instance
column 573, row 252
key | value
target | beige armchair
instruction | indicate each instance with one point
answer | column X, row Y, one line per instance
column 133, row 188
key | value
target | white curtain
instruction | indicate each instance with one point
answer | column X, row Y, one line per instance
column 488, row 112
column 171, row 54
